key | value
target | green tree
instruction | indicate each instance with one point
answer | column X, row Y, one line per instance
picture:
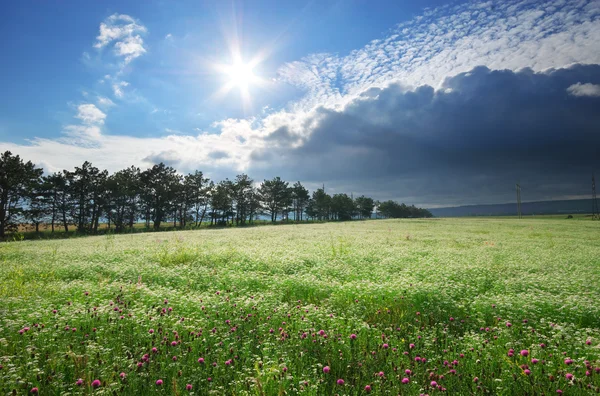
column 342, row 207
column 391, row 209
column 87, row 186
column 321, row 204
column 243, row 193
column 62, row 200
column 123, row 197
column 160, row 185
column 300, row 197
column 275, row 195
column 17, row 178
column 197, row 191
column 364, row 206
column 221, row 203
column 38, row 204
column 51, row 201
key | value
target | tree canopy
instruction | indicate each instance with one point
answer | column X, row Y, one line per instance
column 86, row 197
column 18, row 180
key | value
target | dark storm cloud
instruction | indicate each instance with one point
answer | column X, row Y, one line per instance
column 467, row 142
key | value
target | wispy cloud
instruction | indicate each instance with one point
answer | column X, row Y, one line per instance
column 105, row 102
column 84, row 136
column 118, row 88
column 508, row 34
column 586, row 89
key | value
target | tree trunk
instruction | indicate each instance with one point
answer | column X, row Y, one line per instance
column 53, row 220
column 93, row 217
column 97, row 220
column 203, row 213
column 64, row 216
column 80, row 221
column 3, row 213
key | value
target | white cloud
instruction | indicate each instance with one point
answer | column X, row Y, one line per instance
column 169, row 37
column 125, row 34
column 89, row 114
column 586, row 89
column 173, row 131
column 81, row 135
column 113, row 152
column 448, row 40
column 118, row 88
column 130, row 48
column 105, row 102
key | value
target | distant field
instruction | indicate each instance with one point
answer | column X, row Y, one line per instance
column 383, row 307
column 45, row 228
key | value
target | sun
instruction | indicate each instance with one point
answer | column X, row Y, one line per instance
column 240, row 74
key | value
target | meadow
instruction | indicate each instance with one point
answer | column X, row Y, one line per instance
column 457, row 306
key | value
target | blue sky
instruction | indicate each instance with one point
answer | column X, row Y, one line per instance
column 122, row 83
column 48, row 72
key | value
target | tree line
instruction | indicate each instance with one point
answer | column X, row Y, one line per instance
column 87, row 197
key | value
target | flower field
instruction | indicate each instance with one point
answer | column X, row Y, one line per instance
column 410, row 307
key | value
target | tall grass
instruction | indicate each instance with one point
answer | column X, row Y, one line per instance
column 453, row 301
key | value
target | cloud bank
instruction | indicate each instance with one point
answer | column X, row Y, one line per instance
column 470, row 140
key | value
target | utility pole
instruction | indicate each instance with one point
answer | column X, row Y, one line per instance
column 519, row 200
column 595, row 212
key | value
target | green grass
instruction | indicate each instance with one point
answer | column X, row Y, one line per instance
column 390, row 282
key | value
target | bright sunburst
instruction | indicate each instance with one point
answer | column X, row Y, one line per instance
column 241, row 75
column 240, row 72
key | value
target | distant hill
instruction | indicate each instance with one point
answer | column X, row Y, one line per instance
column 571, row 206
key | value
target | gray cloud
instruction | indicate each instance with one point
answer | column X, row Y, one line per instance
column 218, row 154
column 467, row 142
column 168, row 157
